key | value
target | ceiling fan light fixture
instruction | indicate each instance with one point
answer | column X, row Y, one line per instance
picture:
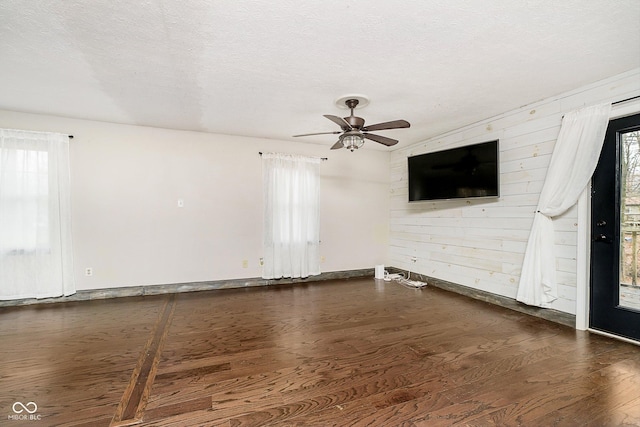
column 352, row 141
column 353, row 131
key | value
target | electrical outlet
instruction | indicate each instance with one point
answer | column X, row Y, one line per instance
column 261, row 262
column 88, row 271
column 180, row 203
column 414, row 259
column 322, row 259
column 245, row 263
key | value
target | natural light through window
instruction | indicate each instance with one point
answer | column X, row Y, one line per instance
column 25, row 211
column 36, row 256
column 291, row 186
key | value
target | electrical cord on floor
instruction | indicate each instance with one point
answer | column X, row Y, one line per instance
column 399, row 278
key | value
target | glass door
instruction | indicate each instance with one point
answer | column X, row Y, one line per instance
column 629, row 291
column 615, row 232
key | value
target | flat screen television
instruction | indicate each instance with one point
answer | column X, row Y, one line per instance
column 462, row 172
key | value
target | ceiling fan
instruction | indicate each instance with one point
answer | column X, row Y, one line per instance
column 354, row 131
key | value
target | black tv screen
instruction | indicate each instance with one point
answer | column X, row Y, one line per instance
column 463, row 172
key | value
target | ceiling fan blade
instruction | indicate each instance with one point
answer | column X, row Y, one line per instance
column 395, row 124
column 320, row 133
column 339, row 121
column 337, row 145
column 381, row 139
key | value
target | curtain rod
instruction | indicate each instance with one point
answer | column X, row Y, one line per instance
column 621, row 101
column 625, row 100
column 321, row 158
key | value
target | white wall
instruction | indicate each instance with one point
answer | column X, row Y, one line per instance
column 126, row 182
column 480, row 243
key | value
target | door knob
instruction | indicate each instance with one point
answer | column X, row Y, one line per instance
column 602, row 238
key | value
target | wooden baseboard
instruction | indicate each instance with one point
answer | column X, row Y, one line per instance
column 544, row 313
column 131, row 291
column 97, row 294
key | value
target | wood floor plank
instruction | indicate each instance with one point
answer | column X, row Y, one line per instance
column 74, row 359
column 134, row 400
column 619, row 388
column 339, row 353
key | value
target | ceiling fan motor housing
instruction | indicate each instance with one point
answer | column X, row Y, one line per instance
column 355, row 122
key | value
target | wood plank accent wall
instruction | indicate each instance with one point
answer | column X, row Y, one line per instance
column 480, row 243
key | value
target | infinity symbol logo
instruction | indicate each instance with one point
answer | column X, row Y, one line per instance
column 25, row 407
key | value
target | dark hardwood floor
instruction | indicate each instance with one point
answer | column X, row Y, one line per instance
column 353, row 352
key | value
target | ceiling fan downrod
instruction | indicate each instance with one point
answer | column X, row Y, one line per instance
column 355, row 122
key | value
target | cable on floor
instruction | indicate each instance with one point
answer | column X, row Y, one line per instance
column 400, row 278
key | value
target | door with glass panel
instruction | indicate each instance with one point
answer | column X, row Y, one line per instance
column 615, row 232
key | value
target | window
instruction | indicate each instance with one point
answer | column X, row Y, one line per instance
column 292, row 216
column 35, row 215
column 24, row 213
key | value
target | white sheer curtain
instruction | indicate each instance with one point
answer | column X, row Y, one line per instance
column 291, row 187
column 573, row 161
column 35, row 230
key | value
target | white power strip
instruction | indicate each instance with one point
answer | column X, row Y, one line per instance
column 412, row 283
column 406, row 282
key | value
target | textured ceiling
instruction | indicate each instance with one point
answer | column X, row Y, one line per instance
column 271, row 69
